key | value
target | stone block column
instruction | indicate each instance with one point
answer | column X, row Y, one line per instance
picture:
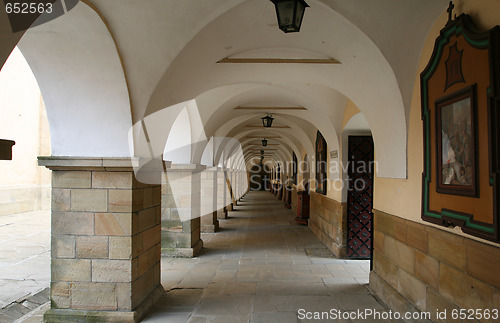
column 237, row 185
column 209, row 222
column 246, row 176
column 105, row 241
column 229, row 193
column 221, row 194
column 242, row 182
column 181, row 211
column 234, row 187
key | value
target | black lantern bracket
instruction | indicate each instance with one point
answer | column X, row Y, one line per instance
column 290, row 14
column 267, row 121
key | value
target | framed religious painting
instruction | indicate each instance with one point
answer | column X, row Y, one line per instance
column 321, row 164
column 456, row 142
column 460, row 97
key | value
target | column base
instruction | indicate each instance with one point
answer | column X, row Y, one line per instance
column 209, row 223
column 56, row 315
column 222, row 214
column 210, row 228
column 183, row 252
column 230, row 207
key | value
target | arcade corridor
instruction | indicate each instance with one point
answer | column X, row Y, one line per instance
column 375, row 121
column 261, row 267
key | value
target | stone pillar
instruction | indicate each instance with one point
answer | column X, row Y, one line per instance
column 240, row 184
column 243, row 184
column 180, row 217
column 221, row 194
column 283, row 195
column 247, row 180
column 229, row 193
column 234, row 185
column 209, row 222
column 105, row 231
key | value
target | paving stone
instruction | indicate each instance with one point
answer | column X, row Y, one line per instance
column 264, row 303
column 276, row 317
column 293, row 303
column 345, row 285
column 24, row 256
column 225, row 305
column 357, row 301
column 167, row 317
column 180, row 300
column 14, row 311
column 291, row 288
column 240, row 288
column 198, row 319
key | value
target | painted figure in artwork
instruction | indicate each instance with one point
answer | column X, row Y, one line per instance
column 456, row 143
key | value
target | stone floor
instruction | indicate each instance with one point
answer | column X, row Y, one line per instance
column 261, row 267
column 24, row 259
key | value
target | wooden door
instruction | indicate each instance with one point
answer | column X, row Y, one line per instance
column 360, row 198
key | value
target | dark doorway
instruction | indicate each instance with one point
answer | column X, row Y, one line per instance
column 259, row 178
column 360, row 197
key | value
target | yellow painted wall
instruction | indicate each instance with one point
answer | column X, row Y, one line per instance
column 403, row 197
column 23, row 185
column 350, row 111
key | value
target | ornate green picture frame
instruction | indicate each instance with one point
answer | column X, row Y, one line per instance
column 458, row 102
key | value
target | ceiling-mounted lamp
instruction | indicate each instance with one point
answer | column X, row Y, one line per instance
column 264, row 142
column 290, row 14
column 262, row 152
column 267, row 121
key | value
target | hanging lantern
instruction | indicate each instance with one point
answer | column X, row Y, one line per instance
column 262, row 152
column 290, row 14
column 264, row 142
column 267, row 121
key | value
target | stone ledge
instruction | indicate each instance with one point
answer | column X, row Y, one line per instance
column 212, row 168
column 99, row 163
column 187, row 167
column 79, row 316
column 87, row 163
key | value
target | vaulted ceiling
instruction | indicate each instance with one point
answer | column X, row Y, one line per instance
column 107, row 64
